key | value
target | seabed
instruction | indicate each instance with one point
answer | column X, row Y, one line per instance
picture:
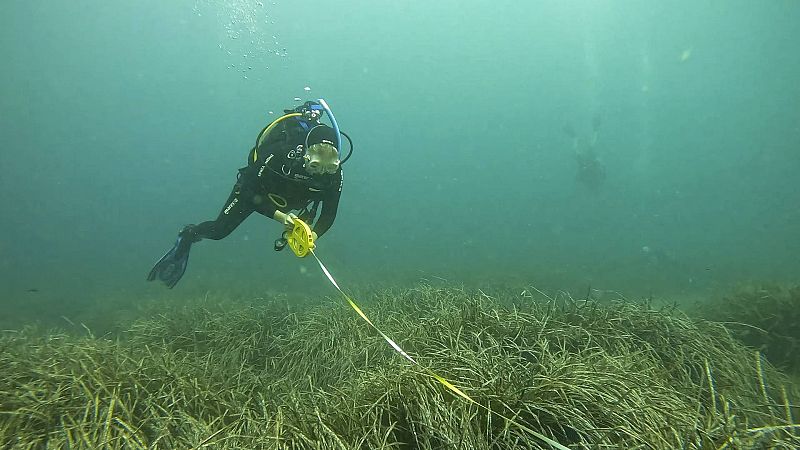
column 222, row 373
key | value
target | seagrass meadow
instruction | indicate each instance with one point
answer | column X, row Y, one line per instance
column 223, row 373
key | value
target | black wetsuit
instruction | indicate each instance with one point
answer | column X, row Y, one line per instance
column 274, row 179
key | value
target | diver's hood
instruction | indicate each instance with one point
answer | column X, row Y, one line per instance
column 321, row 134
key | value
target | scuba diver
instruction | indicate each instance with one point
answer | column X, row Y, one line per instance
column 591, row 171
column 293, row 168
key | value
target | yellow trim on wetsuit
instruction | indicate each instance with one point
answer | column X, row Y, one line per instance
column 266, row 131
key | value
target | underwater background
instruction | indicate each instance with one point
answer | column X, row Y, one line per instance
column 572, row 225
column 124, row 121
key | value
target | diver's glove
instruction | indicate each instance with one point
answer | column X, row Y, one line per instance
column 281, row 242
column 288, row 221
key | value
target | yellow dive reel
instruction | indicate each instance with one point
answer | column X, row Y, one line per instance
column 300, row 239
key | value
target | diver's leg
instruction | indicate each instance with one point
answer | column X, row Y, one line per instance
column 171, row 267
column 238, row 206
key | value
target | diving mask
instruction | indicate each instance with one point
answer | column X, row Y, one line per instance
column 321, row 158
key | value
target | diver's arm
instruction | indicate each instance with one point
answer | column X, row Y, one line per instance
column 330, row 204
column 327, row 216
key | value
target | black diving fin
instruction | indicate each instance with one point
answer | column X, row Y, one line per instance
column 171, row 267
